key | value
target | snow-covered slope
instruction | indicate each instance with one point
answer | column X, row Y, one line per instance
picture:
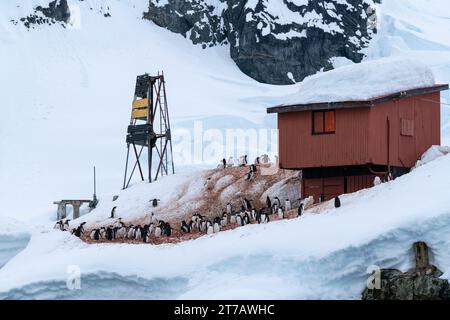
column 316, row 256
column 66, row 96
column 65, row 100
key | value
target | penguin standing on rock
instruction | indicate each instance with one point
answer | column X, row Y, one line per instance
column 288, row 205
column 268, row 202
column 247, row 204
column 209, row 227
column 280, row 213
column 216, row 225
column 224, row 220
column 224, row 163
column 229, row 208
column 158, row 231
column 186, row 228
column 337, row 202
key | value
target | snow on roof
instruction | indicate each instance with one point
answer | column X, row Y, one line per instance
column 363, row 81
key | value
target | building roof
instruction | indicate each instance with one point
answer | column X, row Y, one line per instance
column 356, row 104
column 361, row 85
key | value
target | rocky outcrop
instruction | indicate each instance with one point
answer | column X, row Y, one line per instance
column 275, row 42
column 422, row 283
column 57, row 11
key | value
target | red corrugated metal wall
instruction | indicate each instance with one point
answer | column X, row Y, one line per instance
column 422, row 112
column 362, row 135
column 299, row 148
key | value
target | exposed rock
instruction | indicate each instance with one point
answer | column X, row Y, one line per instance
column 422, row 283
column 57, row 11
column 274, row 42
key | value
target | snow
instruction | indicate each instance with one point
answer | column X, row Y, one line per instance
column 373, row 226
column 363, row 81
column 76, row 99
column 433, row 153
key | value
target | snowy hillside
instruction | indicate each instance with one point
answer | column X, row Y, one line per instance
column 65, row 98
column 321, row 256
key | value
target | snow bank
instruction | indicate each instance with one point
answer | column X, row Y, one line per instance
column 363, row 81
column 432, row 153
column 320, row 256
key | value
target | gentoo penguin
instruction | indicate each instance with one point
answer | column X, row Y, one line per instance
column 253, row 168
column 263, row 217
column 233, row 218
column 130, row 234
column 239, row 220
column 152, row 218
column 138, row 232
column 268, row 202
column 151, row 228
column 229, row 208
column 257, row 160
column 158, row 231
column 92, row 234
column 278, row 202
column 300, row 209
column 322, row 197
column 145, row 236
column 166, row 229
column 245, row 160
column 58, row 225
column 248, row 176
column 102, row 233
column 203, row 225
column 78, row 232
column 288, row 205
column 247, row 204
column 209, row 228
column 337, row 202
column 253, row 215
column 109, row 233
column 246, row 219
column 224, row 220
column 121, row 232
column 216, row 225
column 275, row 208
column 97, row 235
column 280, row 213
column 184, row 227
column 224, row 163
column 155, row 202
column 65, row 226
column 113, row 211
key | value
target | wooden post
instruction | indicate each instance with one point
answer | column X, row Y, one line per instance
column 421, row 255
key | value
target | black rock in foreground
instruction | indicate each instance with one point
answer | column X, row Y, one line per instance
column 422, row 283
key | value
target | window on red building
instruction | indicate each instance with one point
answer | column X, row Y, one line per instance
column 324, row 122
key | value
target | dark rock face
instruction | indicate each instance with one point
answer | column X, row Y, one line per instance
column 273, row 41
column 411, row 285
column 57, row 11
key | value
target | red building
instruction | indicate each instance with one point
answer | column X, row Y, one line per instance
column 342, row 146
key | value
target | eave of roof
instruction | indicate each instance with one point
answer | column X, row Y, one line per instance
column 356, row 104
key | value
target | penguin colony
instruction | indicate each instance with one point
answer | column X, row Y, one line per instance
column 155, row 231
column 197, row 225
